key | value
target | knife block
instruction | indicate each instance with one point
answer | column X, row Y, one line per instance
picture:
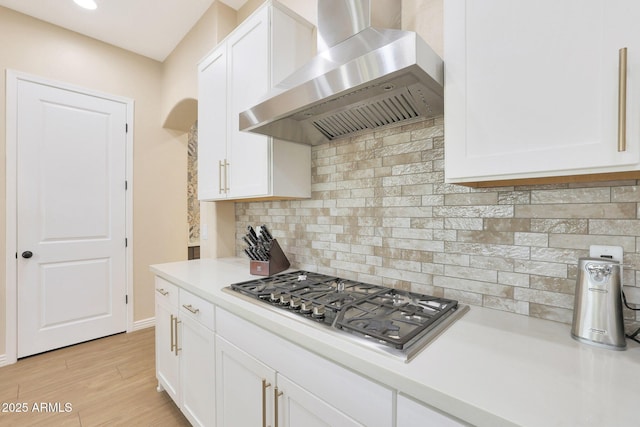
column 277, row 262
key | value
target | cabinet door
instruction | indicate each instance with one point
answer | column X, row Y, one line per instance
column 298, row 407
column 212, row 125
column 532, row 88
column 244, row 388
column 339, row 387
column 167, row 362
column 197, row 372
column 248, row 80
column 413, row 414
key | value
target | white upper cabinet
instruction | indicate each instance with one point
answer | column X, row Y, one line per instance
column 268, row 46
column 532, row 88
column 212, row 124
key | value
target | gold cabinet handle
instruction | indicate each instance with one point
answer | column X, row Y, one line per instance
column 220, row 166
column 173, row 342
column 276, row 395
column 191, row 309
column 176, row 349
column 162, row 292
column 622, row 99
column 226, row 176
column 265, row 386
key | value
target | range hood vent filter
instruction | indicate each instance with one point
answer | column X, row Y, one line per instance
column 391, row 109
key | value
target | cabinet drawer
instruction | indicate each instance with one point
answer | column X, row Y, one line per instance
column 197, row 308
column 413, row 414
column 166, row 291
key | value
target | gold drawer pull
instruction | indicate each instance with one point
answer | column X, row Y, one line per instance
column 162, row 292
column 191, row 309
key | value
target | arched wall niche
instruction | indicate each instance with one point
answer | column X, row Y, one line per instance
column 182, row 116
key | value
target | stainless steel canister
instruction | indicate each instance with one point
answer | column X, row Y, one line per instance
column 597, row 312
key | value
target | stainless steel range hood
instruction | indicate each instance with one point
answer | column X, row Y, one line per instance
column 363, row 78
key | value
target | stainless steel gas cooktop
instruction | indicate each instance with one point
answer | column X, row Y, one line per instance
column 397, row 322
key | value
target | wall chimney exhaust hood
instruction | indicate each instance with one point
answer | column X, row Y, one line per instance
column 362, row 79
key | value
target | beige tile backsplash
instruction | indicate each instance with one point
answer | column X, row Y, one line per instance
column 380, row 212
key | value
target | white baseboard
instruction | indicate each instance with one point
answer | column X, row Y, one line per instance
column 143, row 324
column 3, row 360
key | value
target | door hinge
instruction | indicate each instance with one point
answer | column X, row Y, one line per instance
column 126, row 299
column 126, row 185
column 126, row 242
column 126, row 128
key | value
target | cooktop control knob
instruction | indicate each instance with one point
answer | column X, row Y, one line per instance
column 274, row 297
column 306, row 307
column 295, row 303
column 284, row 299
column 318, row 311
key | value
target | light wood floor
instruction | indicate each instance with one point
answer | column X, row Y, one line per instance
column 106, row 382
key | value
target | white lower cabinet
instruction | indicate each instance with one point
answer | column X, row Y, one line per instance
column 415, row 414
column 244, row 387
column 197, row 372
column 244, row 375
column 264, row 380
column 252, row 394
column 167, row 366
column 185, row 352
column 298, row 407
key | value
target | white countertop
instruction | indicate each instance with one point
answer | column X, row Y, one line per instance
column 489, row 368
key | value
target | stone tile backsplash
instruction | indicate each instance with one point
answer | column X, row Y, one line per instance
column 380, row 212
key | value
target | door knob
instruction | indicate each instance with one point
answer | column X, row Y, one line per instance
column 27, row 254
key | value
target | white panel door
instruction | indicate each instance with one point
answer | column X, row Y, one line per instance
column 71, row 160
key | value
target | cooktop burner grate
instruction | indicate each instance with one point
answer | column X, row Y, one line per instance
column 394, row 317
column 391, row 317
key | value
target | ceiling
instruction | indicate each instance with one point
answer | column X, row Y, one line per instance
column 152, row 28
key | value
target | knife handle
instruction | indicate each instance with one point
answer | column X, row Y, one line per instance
column 247, row 241
column 252, row 232
column 253, row 241
column 265, row 231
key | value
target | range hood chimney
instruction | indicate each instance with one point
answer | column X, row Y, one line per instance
column 363, row 78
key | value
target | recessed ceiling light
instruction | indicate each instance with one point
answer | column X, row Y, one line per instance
column 87, row 4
